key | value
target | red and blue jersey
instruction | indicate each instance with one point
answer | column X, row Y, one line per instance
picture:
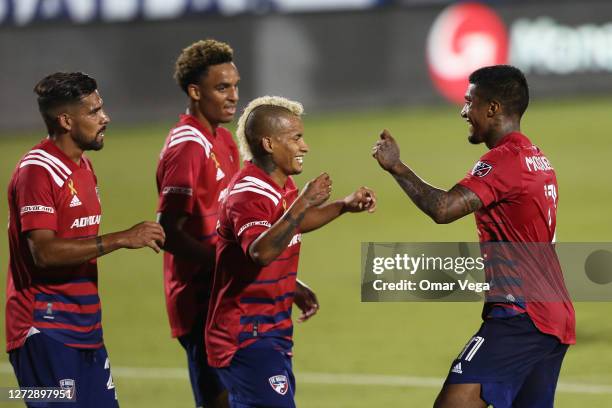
column 49, row 191
column 517, row 186
column 193, row 173
column 249, row 302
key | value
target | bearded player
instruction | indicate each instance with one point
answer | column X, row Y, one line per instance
column 198, row 160
column 261, row 222
column 515, row 358
column 53, row 313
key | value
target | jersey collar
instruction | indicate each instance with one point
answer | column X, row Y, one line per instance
column 514, row 138
column 50, row 147
column 189, row 119
column 264, row 176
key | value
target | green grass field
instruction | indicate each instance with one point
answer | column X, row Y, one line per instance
column 379, row 348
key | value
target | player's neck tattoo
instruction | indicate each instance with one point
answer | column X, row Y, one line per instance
column 266, row 164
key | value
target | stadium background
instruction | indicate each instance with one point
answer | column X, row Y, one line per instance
column 358, row 66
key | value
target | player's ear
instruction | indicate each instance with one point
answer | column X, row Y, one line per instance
column 266, row 144
column 193, row 91
column 494, row 108
column 64, row 121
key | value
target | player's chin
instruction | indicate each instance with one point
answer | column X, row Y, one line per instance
column 226, row 115
column 474, row 139
column 294, row 169
column 98, row 143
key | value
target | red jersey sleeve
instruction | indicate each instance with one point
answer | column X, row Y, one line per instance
column 250, row 214
column 179, row 180
column 35, row 199
column 495, row 177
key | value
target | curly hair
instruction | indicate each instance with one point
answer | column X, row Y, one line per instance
column 193, row 62
column 253, row 120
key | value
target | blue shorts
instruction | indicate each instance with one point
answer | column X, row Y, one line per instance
column 516, row 364
column 205, row 382
column 260, row 376
column 44, row 362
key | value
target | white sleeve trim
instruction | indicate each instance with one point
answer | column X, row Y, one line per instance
column 52, row 172
column 255, row 190
column 53, row 158
column 262, row 184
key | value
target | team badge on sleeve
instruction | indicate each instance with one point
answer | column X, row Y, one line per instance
column 481, row 169
column 279, row 384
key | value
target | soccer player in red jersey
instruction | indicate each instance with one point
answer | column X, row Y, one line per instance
column 198, row 160
column 515, row 358
column 261, row 221
column 53, row 315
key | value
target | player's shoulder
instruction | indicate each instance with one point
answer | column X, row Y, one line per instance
column 187, row 135
column 250, row 186
column 41, row 164
column 508, row 150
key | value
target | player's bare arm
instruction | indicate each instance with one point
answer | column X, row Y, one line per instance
column 363, row 199
column 50, row 251
column 269, row 245
column 180, row 243
column 442, row 206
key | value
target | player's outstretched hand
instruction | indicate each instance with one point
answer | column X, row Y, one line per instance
column 317, row 191
column 306, row 301
column 361, row 200
column 386, row 151
column 147, row 233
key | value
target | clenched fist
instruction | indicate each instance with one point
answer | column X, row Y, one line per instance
column 386, row 151
column 317, row 191
column 361, row 200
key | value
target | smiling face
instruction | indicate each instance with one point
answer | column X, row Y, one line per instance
column 476, row 111
column 87, row 121
column 287, row 145
column 216, row 95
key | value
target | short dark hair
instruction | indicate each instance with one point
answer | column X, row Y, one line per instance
column 505, row 83
column 59, row 89
column 195, row 60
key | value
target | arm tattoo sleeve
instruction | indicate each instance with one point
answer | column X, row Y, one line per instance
column 441, row 206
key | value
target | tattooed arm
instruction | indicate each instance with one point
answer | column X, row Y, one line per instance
column 269, row 245
column 442, row 206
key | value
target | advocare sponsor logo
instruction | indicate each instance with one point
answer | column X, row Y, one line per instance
column 36, row 208
column 462, row 39
column 468, row 36
column 86, row 221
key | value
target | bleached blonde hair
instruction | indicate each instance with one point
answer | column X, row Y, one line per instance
column 292, row 106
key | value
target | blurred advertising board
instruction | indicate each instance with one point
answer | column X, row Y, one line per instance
column 357, row 56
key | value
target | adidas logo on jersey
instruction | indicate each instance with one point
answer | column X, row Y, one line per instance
column 75, row 202
column 457, row 368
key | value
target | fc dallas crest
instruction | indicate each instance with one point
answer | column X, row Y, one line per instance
column 279, row 384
